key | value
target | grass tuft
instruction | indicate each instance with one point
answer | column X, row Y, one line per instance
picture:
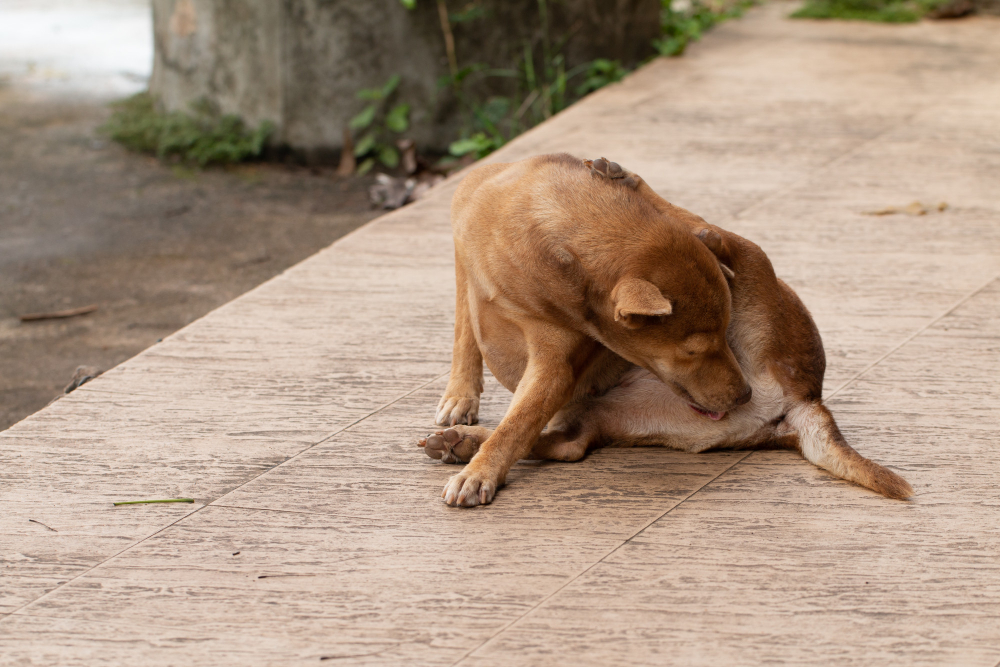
column 882, row 11
column 201, row 137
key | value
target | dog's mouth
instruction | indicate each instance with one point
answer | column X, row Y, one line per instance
column 683, row 393
column 714, row 416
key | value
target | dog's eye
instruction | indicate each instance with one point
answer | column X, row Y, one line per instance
column 648, row 320
column 696, row 344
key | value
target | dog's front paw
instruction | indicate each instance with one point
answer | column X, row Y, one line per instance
column 470, row 488
column 457, row 410
column 454, row 445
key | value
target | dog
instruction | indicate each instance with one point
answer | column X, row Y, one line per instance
column 618, row 319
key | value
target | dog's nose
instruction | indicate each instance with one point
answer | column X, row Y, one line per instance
column 745, row 398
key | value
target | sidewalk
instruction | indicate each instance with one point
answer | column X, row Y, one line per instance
column 291, row 416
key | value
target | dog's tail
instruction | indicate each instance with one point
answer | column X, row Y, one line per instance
column 821, row 443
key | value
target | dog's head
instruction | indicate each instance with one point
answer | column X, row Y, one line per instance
column 671, row 319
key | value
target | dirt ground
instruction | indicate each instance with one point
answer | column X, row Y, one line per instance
column 154, row 246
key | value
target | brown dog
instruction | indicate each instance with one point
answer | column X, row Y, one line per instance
column 619, row 319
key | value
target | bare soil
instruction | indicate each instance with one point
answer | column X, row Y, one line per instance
column 153, row 245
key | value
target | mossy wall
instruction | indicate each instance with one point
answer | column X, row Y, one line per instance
column 299, row 63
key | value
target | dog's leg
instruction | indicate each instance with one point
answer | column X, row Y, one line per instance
column 562, row 446
column 460, row 402
column 821, row 443
column 459, row 444
column 545, row 386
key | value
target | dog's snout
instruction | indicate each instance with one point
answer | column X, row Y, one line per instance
column 745, row 398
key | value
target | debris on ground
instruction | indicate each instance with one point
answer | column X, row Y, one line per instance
column 58, row 314
column 913, row 208
column 955, row 9
column 149, row 502
column 81, row 376
column 391, row 192
column 347, row 162
column 43, row 525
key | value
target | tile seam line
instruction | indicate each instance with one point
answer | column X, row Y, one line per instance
column 590, row 567
column 851, row 152
column 955, row 306
column 17, row 612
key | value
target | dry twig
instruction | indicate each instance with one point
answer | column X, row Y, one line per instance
column 58, row 314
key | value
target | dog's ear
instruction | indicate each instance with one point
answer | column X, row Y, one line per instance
column 636, row 299
column 713, row 241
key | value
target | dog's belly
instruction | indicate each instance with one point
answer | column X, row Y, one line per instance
column 501, row 343
column 643, row 410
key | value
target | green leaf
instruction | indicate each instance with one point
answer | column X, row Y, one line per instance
column 370, row 94
column 470, row 13
column 363, row 119
column 479, row 143
column 398, row 119
column 146, row 502
column 464, row 72
column 409, row 4
column 388, row 156
column 390, row 85
column 463, row 146
column 366, row 145
column 495, row 109
column 366, row 166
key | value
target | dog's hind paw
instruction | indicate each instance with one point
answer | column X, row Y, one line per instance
column 454, row 445
column 612, row 170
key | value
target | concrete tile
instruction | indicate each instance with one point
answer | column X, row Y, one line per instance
column 777, row 561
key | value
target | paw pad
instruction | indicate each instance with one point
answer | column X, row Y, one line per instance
column 450, row 446
column 607, row 169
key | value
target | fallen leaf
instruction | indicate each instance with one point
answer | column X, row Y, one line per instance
column 913, row 208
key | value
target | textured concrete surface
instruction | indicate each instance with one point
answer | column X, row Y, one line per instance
column 291, row 413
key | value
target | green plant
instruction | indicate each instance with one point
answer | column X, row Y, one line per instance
column 883, row 11
column 379, row 125
column 600, row 73
column 201, row 137
column 540, row 86
column 480, row 144
column 683, row 22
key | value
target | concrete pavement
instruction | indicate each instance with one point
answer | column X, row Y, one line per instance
column 291, row 416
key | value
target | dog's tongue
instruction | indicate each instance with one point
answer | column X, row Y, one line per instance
column 714, row 416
